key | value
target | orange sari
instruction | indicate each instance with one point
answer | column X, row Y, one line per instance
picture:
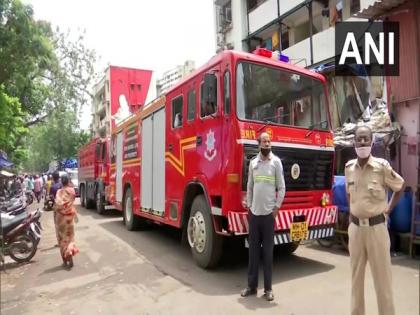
column 65, row 216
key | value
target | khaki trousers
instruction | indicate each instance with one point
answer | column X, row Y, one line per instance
column 370, row 243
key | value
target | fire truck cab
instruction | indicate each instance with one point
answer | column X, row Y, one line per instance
column 183, row 159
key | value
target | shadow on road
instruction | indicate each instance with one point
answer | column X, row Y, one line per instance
column 162, row 247
column 52, row 270
column 93, row 214
column 336, row 249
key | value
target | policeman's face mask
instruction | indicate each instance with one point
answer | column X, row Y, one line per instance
column 363, row 147
column 363, row 152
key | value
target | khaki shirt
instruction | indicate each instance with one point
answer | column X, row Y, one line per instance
column 368, row 186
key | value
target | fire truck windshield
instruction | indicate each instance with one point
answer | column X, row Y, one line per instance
column 271, row 95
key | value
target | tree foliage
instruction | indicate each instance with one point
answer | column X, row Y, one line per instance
column 44, row 78
column 11, row 125
column 54, row 140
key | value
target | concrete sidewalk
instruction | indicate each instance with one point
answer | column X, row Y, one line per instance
column 150, row 272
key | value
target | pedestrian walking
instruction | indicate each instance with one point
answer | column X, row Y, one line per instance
column 367, row 181
column 51, row 198
column 47, row 186
column 65, row 217
column 265, row 194
column 38, row 188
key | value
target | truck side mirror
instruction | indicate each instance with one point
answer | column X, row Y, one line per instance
column 210, row 89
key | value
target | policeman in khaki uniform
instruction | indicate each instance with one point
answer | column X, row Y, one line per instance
column 367, row 181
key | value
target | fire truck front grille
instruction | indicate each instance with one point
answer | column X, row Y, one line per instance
column 316, row 167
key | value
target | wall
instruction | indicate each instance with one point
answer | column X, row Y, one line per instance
column 405, row 91
column 263, row 14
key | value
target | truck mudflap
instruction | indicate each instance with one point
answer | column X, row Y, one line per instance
column 317, row 218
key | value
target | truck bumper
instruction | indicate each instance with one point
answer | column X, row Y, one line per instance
column 317, row 218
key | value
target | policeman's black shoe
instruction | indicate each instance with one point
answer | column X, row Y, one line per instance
column 269, row 295
column 248, row 291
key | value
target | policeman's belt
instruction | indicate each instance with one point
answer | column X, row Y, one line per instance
column 378, row 219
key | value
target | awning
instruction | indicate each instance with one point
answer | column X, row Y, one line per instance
column 379, row 9
column 6, row 173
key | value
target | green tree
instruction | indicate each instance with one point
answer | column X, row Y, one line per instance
column 45, row 78
column 12, row 125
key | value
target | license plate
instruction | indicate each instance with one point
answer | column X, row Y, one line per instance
column 298, row 231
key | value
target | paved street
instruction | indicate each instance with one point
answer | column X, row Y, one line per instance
column 150, row 272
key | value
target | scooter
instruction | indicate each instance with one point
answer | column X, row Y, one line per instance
column 20, row 235
column 29, row 197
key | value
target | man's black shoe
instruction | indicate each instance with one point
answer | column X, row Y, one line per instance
column 269, row 295
column 248, row 292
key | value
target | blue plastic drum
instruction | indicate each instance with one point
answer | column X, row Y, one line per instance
column 339, row 193
column 401, row 214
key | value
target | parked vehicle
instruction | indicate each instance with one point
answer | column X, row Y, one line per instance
column 93, row 175
column 20, row 235
column 183, row 159
column 73, row 175
column 29, row 197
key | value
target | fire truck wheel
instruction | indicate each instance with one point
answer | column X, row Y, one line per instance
column 100, row 205
column 82, row 196
column 131, row 221
column 205, row 243
column 287, row 249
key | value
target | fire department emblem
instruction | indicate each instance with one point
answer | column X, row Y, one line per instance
column 295, row 171
column 210, row 152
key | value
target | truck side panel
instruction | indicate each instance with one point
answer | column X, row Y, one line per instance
column 119, row 167
column 158, row 168
column 146, row 163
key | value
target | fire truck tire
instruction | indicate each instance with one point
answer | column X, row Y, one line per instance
column 82, row 196
column 287, row 249
column 100, row 204
column 131, row 221
column 205, row 243
column 90, row 203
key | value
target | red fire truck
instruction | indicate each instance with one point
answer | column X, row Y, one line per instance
column 94, row 174
column 183, row 159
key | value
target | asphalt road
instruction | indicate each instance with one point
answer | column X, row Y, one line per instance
column 151, row 272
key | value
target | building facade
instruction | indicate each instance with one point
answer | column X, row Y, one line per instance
column 301, row 29
column 304, row 31
column 118, row 93
column 170, row 77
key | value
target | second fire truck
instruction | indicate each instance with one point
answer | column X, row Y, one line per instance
column 183, row 159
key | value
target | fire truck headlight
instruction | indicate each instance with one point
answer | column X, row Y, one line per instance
column 326, row 199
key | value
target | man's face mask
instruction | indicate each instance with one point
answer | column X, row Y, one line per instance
column 363, row 152
column 265, row 151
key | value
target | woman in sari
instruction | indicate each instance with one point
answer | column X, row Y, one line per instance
column 65, row 217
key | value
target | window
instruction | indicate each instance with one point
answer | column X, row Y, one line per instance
column 354, row 6
column 252, row 4
column 191, row 105
column 139, row 87
column 226, row 92
column 274, row 96
column 177, row 105
column 206, row 108
column 132, row 87
column 103, row 151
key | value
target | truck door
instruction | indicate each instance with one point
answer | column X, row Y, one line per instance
column 209, row 131
column 153, row 163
